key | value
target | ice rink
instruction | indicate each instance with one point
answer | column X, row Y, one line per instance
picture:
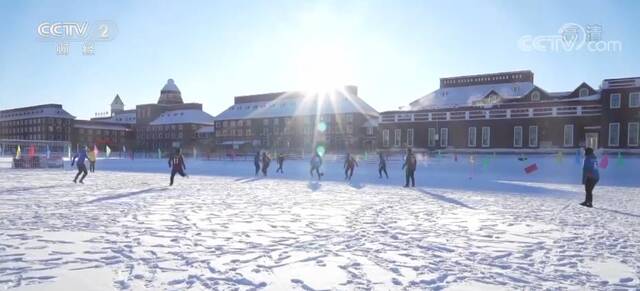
column 481, row 226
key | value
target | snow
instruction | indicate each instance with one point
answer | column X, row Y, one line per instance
column 183, row 116
column 49, row 110
column 466, row 95
column 483, row 226
column 170, row 86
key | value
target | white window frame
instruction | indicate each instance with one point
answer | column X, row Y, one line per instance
column 369, row 130
column 635, row 132
column 444, row 137
column 431, row 137
column 535, row 96
column 472, row 138
column 568, row 128
column 634, row 96
column 486, row 129
column 397, row 135
column 515, row 135
column 619, row 98
column 385, row 137
column 583, row 90
column 535, row 136
column 410, row 137
column 617, row 141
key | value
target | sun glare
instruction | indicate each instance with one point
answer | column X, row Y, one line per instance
column 322, row 69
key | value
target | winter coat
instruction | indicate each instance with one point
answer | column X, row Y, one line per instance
column 177, row 162
column 410, row 162
column 91, row 156
column 81, row 156
column 590, row 168
column 316, row 161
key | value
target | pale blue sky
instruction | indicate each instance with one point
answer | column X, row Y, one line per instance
column 395, row 51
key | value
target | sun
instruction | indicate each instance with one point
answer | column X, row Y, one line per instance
column 322, row 68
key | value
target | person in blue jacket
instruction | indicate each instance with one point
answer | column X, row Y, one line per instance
column 590, row 176
column 81, row 155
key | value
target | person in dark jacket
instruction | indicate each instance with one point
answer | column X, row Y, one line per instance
column 280, row 163
column 177, row 165
column 382, row 166
column 266, row 160
column 590, row 176
column 256, row 162
column 81, row 155
column 349, row 165
column 316, row 163
column 410, row 168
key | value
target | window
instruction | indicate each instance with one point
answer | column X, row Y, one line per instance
column 396, row 142
column 385, row 137
column 517, row 136
column 444, row 137
column 568, row 135
column 265, row 122
column 634, row 100
column 583, row 92
column 614, row 100
column 369, row 130
column 535, row 96
column 633, row 131
column 533, row 136
column 472, row 137
column 410, row 137
column 432, row 137
column 486, row 136
column 614, row 134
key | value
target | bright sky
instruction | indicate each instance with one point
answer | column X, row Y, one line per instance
column 394, row 51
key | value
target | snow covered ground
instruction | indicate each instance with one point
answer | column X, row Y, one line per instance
column 484, row 227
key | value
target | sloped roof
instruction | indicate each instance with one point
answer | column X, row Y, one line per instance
column 466, row 95
column 47, row 110
column 117, row 100
column 183, row 116
column 299, row 106
column 124, row 117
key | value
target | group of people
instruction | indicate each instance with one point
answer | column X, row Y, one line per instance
column 79, row 159
column 261, row 162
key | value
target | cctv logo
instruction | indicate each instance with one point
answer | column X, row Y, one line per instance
column 63, row 30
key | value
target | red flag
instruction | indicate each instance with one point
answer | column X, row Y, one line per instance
column 531, row 168
column 604, row 162
column 32, row 151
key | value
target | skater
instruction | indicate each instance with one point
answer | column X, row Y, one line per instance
column 410, row 168
column 590, row 176
column 256, row 162
column 177, row 165
column 280, row 163
column 316, row 163
column 266, row 160
column 382, row 166
column 91, row 156
column 349, row 165
column 82, row 168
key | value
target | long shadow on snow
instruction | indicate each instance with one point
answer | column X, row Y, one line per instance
column 314, row 186
column 25, row 189
column 125, row 195
column 619, row 212
column 444, row 198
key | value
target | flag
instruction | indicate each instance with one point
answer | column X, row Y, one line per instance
column 472, row 160
column 559, row 157
column 485, row 162
column 124, row 149
column 95, row 150
column 32, row 151
column 69, row 152
column 195, row 154
column 159, row 154
column 604, row 162
column 531, row 168
column 620, row 160
column 18, row 152
column 108, row 150
column 48, row 152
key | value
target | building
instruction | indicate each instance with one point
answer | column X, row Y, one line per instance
column 298, row 121
column 40, row 122
column 508, row 111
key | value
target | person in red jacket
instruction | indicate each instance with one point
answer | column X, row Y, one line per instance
column 177, row 165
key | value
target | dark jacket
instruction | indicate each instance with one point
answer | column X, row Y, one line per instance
column 590, row 168
column 177, row 162
column 81, row 156
column 409, row 162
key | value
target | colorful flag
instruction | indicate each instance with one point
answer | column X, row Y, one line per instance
column 485, row 162
column 18, row 152
column 531, row 168
column 48, row 152
column 32, row 151
column 107, row 150
column 620, row 161
column 159, row 154
column 472, row 160
column 195, row 154
column 69, row 152
column 95, row 150
column 604, row 162
column 124, row 149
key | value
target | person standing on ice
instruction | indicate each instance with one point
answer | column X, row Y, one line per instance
column 177, row 165
column 316, row 163
column 382, row 166
column 410, row 168
column 81, row 155
column 91, row 156
column 256, row 162
column 590, row 176
column 280, row 161
column 266, row 160
column 349, row 165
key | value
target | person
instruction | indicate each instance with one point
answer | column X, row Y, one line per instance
column 316, row 163
column 280, row 163
column 177, row 165
column 91, row 156
column 349, row 165
column 81, row 155
column 256, row 162
column 266, row 160
column 590, row 176
column 382, row 166
column 410, row 168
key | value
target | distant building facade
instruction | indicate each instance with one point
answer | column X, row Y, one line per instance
column 508, row 111
column 40, row 122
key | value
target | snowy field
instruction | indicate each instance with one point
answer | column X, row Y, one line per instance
column 488, row 226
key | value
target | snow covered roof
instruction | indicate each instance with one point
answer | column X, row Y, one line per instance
column 183, row 116
column 170, row 86
column 47, row 110
column 117, row 100
column 125, row 117
column 206, row 129
column 95, row 125
column 296, row 104
column 466, row 95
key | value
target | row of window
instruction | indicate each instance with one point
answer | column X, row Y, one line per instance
column 33, row 121
column 633, row 133
column 105, row 132
column 30, row 129
column 278, row 121
column 615, row 100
